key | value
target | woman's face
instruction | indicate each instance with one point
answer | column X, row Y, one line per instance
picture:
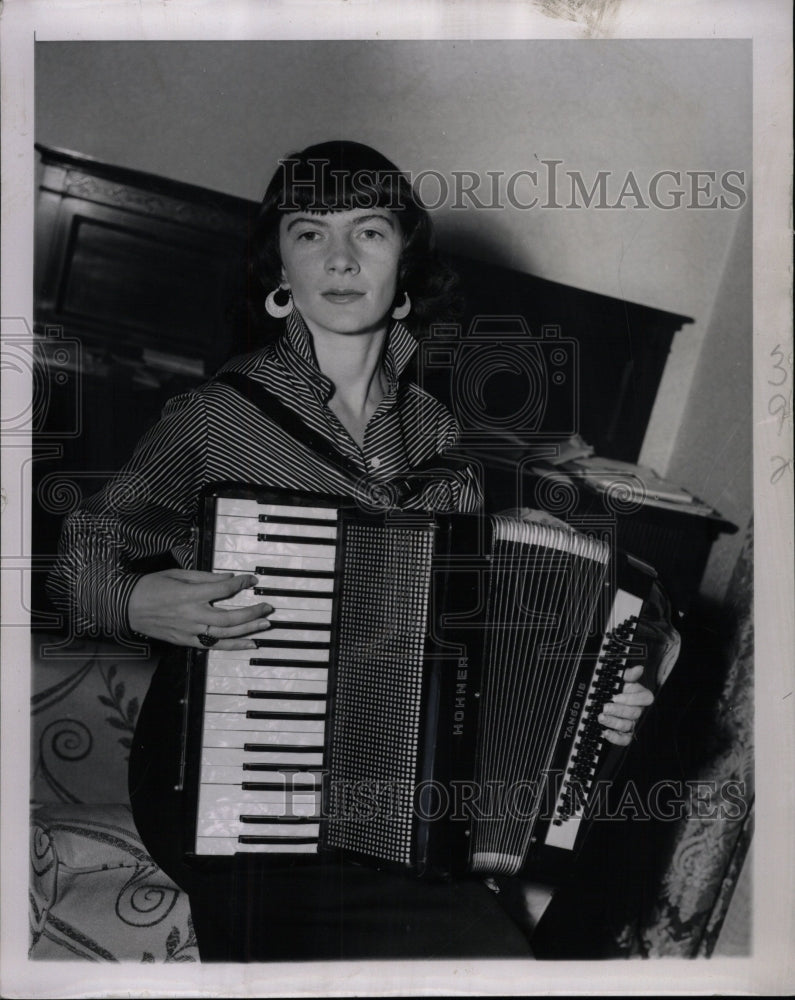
column 342, row 267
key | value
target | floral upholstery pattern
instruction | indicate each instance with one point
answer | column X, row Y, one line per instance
column 708, row 851
column 84, row 706
column 95, row 893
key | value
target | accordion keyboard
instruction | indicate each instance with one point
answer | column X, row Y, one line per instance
column 265, row 713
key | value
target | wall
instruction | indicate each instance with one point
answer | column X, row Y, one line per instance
column 220, row 114
column 713, row 449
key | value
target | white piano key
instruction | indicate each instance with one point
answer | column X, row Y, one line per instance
column 222, row 667
column 272, row 548
column 250, row 508
column 216, row 846
column 311, row 564
column 277, row 829
column 273, row 527
column 222, row 801
column 247, row 562
column 242, row 685
column 240, row 703
column 264, row 657
column 239, row 738
column 294, row 602
column 299, row 615
column 237, row 757
column 247, row 599
column 303, row 585
column 237, row 722
column 319, row 655
column 224, row 846
column 222, row 774
column 291, row 635
column 219, row 818
column 220, row 804
column 278, row 848
column 236, row 525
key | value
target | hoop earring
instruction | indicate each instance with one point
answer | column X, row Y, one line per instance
column 402, row 311
column 274, row 308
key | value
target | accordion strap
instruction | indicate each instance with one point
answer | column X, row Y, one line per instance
column 273, row 408
column 269, row 404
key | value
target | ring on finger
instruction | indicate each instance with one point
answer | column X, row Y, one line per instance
column 206, row 639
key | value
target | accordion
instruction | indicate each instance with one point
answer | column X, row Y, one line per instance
column 427, row 695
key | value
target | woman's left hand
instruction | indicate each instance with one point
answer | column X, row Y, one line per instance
column 620, row 716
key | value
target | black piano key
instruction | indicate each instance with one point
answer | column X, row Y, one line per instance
column 288, row 519
column 281, row 820
column 282, row 768
column 288, row 592
column 278, row 786
column 246, row 838
column 316, row 626
column 286, row 662
column 289, row 644
column 283, row 747
column 303, row 716
column 286, row 695
column 297, row 539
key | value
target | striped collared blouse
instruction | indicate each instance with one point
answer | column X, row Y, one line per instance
column 213, row 434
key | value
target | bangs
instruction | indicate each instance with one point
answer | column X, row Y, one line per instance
column 322, row 186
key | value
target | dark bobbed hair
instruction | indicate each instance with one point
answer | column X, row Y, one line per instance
column 340, row 175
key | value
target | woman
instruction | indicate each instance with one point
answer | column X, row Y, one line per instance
column 345, row 256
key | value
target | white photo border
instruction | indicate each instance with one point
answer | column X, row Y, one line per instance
column 768, row 23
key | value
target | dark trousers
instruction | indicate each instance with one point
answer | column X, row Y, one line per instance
column 344, row 911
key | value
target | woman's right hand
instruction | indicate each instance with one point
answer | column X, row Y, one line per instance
column 177, row 605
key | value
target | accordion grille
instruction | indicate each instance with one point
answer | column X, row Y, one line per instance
column 383, row 608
